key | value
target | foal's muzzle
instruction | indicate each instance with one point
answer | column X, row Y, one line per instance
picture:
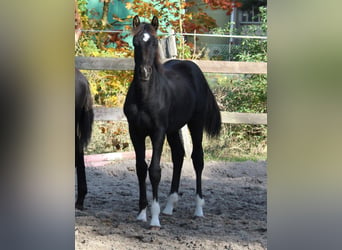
column 145, row 72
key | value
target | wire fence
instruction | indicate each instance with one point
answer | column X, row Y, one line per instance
column 179, row 34
column 214, row 49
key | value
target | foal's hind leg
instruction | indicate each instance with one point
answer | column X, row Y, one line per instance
column 177, row 151
column 197, row 159
column 81, row 176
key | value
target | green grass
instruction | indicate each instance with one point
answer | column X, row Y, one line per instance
column 238, row 142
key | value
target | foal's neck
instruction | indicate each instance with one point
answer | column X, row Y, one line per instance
column 150, row 90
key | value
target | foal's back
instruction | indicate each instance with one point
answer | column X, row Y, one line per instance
column 189, row 85
column 84, row 115
column 188, row 76
column 81, row 90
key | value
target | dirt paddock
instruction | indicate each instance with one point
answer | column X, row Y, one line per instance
column 234, row 212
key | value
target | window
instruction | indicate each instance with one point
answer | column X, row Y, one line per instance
column 250, row 16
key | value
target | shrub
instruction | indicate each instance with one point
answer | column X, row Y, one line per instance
column 243, row 94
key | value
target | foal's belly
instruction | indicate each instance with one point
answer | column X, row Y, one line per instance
column 175, row 125
column 171, row 120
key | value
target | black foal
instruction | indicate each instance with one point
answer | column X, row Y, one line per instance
column 161, row 99
column 84, row 117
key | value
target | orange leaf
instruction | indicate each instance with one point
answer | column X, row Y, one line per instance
column 128, row 5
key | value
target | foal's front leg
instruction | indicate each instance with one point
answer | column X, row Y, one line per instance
column 141, row 169
column 155, row 175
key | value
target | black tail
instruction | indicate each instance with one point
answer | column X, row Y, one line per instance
column 213, row 117
column 212, row 123
column 84, row 109
column 85, row 125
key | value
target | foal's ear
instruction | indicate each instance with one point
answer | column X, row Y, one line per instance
column 136, row 21
column 155, row 22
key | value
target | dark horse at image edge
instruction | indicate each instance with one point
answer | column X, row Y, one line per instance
column 84, row 117
column 161, row 99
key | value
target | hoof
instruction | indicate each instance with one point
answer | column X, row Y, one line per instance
column 199, row 215
column 79, row 207
column 167, row 214
column 171, row 203
column 154, row 228
column 167, row 211
column 142, row 215
column 199, row 207
column 155, row 211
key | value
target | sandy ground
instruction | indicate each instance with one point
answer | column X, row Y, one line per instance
column 234, row 213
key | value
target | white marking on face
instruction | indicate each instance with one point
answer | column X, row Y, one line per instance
column 146, row 37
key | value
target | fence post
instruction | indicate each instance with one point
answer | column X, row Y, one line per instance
column 185, row 135
column 171, row 45
column 168, row 47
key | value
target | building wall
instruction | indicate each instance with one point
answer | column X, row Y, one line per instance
column 116, row 7
column 220, row 46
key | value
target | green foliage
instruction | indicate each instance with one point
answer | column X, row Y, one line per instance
column 168, row 12
column 82, row 6
column 245, row 94
column 249, row 50
column 108, row 87
column 255, row 50
column 248, row 94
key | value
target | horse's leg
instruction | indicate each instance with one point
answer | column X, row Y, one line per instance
column 157, row 139
column 81, row 176
column 197, row 159
column 141, row 168
column 177, row 152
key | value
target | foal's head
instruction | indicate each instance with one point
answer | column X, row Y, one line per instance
column 145, row 47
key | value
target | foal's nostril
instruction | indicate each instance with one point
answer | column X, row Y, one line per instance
column 148, row 70
column 145, row 72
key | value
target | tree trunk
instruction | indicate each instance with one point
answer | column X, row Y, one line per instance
column 104, row 18
column 104, row 21
column 78, row 23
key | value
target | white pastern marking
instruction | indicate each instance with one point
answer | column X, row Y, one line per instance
column 142, row 215
column 146, row 37
column 199, row 206
column 171, row 203
column 155, row 211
